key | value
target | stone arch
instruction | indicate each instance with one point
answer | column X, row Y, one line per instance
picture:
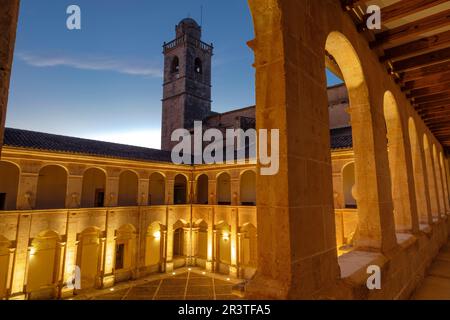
column 431, row 178
column 9, row 185
column 43, row 265
column 247, row 190
column 51, row 187
column 179, row 240
column 420, row 183
column 128, row 189
column 440, row 185
column 223, row 189
column 405, row 212
column 444, row 179
column 180, row 189
column 349, row 185
column 154, row 245
column 201, row 191
column 175, row 65
column 125, row 249
column 93, row 189
column 157, row 189
column 376, row 226
column 88, row 256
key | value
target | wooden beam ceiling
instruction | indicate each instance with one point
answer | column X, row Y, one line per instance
column 416, row 53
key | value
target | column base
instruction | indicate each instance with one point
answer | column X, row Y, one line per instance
column 107, row 281
column 66, row 293
column 209, row 266
column 261, row 288
column 234, row 272
column 168, row 268
column 18, row 296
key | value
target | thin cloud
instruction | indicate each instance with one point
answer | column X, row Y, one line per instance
column 94, row 63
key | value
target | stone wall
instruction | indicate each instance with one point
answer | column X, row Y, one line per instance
column 9, row 11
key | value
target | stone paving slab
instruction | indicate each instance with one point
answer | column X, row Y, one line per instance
column 182, row 285
column 433, row 288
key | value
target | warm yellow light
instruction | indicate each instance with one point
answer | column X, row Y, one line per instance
column 32, row 251
column 112, row 289
column 157, row 235
column 225, row 236
column 228, row 279
column 174, row 273
column 203, row 272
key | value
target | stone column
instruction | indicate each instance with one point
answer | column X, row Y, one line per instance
column 9, row 276
column 112, row 191
column 9, row 13
column 169, row 190
column 210, row 251
column 21, row 257
column 110, row 250
column 74, row 190
column 70, row 255
column 169, row 241
column 235, row 188
column 144, row 182
column 26, row 195
column 234, row 268
column 212, row 186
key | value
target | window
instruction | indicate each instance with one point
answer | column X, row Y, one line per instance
column 198, row 66
column 99, row 198
column 2, row 201
column 120, row 250
column 175, row 68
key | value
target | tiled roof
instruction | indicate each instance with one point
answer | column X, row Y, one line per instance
column 51, row 142
column 341, row 138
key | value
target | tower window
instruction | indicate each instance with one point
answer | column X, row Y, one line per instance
column 198, row 66
column 175, row 65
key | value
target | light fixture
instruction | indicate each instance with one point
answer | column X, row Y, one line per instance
column 225, row 236
column 189, row 269
column 228, row 279
column 112, row 289
column 203, row 272
column 157, row 235
column 174, row 273
column 32, row 251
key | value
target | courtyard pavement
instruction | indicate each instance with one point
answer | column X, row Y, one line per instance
column 184, row 284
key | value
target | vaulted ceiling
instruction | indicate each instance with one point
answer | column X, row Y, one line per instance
column 414, row 46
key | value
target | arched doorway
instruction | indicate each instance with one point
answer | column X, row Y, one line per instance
column 128, row 189
column 224, row 189
column 422, row 200
column 43, row 265
column 440, row 186
column 157, row 189
column 125, row 252
column 9, row 184
column 93, row 191
column 200, row 232
column 202, row 189
column 368, row 140
column 179, row 244
column 88, row 255
column 180, row 190
column 51, row 188
column 153, row 248
column 432, row 189
column 248, row 188
column 405, row 212
column 223, row 253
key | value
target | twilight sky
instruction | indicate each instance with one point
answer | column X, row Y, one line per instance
column 105, row 81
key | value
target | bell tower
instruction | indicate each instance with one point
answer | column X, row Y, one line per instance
column 187, row 81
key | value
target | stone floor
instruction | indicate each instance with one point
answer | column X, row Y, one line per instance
column 436, row 285
column 184, row 284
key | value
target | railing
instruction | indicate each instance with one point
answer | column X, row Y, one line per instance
column 187, row 40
